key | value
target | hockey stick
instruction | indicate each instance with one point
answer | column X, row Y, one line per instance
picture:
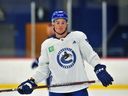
column 55, row 85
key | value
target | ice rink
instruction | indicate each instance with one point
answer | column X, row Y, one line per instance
column 44, row 92
column 12, row 76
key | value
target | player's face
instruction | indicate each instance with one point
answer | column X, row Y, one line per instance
column 60, row 26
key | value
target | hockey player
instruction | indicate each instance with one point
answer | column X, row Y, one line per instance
column 63, row 56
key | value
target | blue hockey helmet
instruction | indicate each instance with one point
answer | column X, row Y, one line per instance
column 59, row 14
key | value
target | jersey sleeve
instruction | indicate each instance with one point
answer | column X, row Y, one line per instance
column 87, row 51
column 42, row 71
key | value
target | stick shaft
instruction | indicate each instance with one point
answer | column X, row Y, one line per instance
column 8, row 90
column 55, row 85
column 66, row 84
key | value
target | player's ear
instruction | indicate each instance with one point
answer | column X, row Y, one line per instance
column 67, row 23
column 52, row 24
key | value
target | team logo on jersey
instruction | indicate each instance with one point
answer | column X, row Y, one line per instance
column 66, row 58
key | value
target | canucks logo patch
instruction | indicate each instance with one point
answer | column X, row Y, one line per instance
column 66, row 58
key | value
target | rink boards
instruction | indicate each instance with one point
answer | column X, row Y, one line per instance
column 14, row 71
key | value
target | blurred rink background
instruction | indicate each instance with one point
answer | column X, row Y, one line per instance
column 23, row 27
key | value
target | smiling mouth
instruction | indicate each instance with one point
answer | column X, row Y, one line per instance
column 60, row 28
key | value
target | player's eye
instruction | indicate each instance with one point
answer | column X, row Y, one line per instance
column 58, row 23
column 63, row 23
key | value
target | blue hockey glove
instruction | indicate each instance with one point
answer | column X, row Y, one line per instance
column 26, row 87
column 103, row 75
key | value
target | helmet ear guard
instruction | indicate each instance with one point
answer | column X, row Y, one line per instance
column 59, row 15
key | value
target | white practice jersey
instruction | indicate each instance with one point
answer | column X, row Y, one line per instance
column 64, row 59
